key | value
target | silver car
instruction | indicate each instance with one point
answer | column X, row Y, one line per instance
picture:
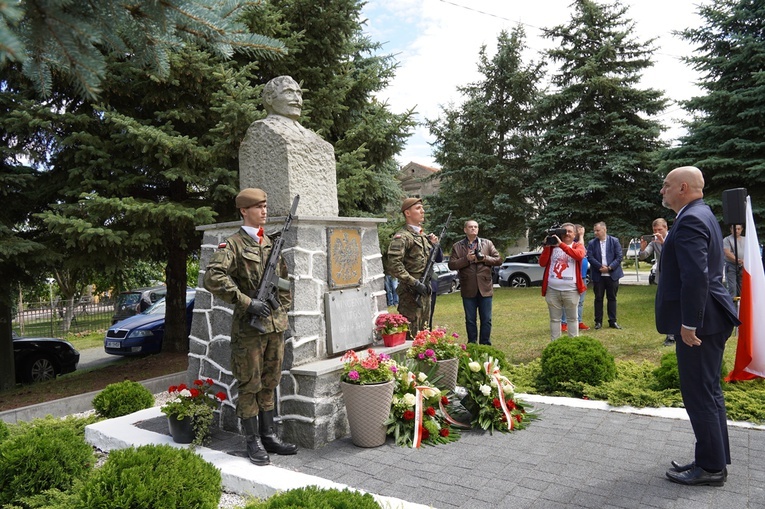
column 521, row 270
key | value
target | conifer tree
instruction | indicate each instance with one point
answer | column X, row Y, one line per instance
column 594, row 162
column 726, row 136
column 483, row 145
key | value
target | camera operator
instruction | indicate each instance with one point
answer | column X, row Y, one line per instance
column 652, row 245
column 474, row 257
column 562, row 282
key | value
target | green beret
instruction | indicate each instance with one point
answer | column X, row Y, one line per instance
column 249, row 197
column 409, row 202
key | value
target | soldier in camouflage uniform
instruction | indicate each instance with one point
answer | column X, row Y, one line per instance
column 408, row 254
column 233, row 275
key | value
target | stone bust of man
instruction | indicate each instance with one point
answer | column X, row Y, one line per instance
column 282, row 96
column 284, row 158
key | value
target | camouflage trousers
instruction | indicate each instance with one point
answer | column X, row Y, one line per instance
column 256, row 363
column 418, row 315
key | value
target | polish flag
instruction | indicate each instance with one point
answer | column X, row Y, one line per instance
column 750, row 353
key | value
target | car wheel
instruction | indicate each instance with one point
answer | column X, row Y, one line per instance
column 38, row 369
column 453, row 287
column 519, row 281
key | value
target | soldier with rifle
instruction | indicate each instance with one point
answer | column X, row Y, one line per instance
column 248, row 272
column 410, row 252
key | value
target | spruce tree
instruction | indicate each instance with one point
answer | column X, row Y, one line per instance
column 726, row 136
column 594, row 163
column 483, row 145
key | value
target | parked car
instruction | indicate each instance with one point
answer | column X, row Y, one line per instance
column 652, row 275
column 135, row 301
column 448, row 280
column 38, row 359
column 521, row 270
column 633, row 249
column 143, row 333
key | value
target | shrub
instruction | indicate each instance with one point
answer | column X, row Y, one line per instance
column 316, row 498
column 156, row 476
column 666, row 374
column 122, row 398
column 570, row 361
column 43, row 457
column 4, row 433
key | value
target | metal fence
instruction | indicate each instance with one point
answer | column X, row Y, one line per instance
column 43, row 319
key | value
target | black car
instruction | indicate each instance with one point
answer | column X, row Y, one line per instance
column 38, row 359
column 136, row 301
column 448, row 280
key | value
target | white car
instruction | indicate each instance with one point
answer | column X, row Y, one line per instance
column 521, row 270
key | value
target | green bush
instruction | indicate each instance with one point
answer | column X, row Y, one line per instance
column 155, row 476
column 316, row 498
column 666, row 374
column 43, row 457
column 4, row 433
column 569, row 361
column 122, row 398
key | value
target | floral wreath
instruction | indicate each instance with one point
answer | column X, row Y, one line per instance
column 418, row 415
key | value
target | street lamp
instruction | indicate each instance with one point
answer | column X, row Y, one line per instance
column 50, row 282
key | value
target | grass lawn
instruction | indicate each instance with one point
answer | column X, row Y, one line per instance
column 521, row 324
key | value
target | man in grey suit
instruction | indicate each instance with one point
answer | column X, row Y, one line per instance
column 604, row 253
column 693, row 304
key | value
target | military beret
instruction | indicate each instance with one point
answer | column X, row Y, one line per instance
column 409, row 202
column 249, row 197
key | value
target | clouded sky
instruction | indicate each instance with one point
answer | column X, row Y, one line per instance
column 436, row 43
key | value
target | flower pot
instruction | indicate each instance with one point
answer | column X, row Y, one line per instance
column 395, row 339
column 445, row 375
column 181, row 430
column 367, row 408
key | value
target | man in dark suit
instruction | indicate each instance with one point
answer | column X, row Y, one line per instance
column 474, row 257
column 693, row 304
column 605, row 256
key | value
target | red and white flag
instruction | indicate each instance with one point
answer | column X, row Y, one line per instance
column 750, row 353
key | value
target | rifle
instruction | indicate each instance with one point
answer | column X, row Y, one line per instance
column 268, row 291
column 432, row 260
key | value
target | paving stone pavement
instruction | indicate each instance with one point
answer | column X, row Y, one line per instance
column 569, row 458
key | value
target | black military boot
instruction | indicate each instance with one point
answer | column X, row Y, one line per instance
column 255, row 449
column 271, row 441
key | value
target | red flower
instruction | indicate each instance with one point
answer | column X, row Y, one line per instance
column 198, row 382
column 181, row 387
column 511, row 404
column 221, row 396
column 173, row 388
column 195, row 392
column 518, row 417
column 424, row 433
column 209, row 381
column 444, row 432
column 496, row 403
column 430, row 411
column 504, row 418
column 408, row 415
column 444, row 400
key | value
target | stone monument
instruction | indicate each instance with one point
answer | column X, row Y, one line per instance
column 284, row 158
column 335, row 270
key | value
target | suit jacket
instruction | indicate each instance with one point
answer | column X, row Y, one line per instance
column 474, row 277
column 613, row 256
column 690, row 290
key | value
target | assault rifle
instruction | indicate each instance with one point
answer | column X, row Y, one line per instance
column 268, row 291
column 425, row 279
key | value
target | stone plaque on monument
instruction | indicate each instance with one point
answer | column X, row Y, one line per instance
column 344, row 257
column 349, row 320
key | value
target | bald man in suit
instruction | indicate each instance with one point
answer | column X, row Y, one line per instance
column 693, row 304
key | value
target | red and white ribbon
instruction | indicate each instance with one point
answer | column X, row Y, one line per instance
column 451, row 420
column 495, row 373
column 418, row 411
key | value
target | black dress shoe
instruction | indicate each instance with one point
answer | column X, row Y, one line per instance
column 598, row 325
column 677, row 467
column 614, row 325
column 697, row 476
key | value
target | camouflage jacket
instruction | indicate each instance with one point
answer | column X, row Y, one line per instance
column 233, row 275
column 408, row 255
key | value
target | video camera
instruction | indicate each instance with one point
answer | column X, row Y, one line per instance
column 478, row 254
column 552, row 241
